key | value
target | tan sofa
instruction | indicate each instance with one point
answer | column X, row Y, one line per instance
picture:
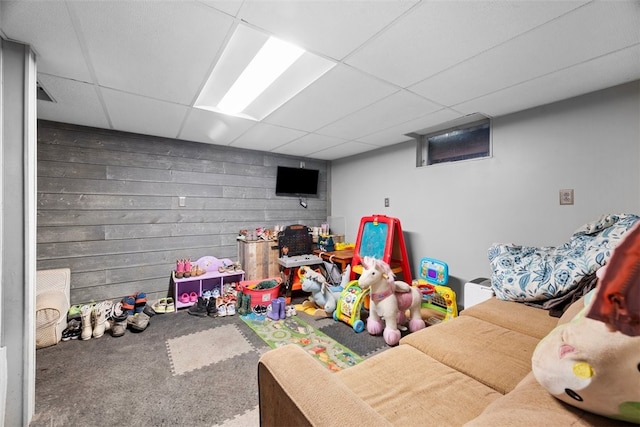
column 474, row 370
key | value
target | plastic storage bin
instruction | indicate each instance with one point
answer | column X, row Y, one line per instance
column 260, row 296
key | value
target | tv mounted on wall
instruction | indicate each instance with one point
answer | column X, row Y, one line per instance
column 296, row 181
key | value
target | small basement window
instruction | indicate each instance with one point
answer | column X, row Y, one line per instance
column 463, row 142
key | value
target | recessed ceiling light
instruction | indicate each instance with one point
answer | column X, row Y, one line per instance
column 257, row 73
column 270, row 62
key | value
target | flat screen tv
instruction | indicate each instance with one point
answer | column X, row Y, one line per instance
column 296, row 181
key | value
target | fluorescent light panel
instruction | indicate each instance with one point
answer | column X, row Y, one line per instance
column 256, row 74
column 271, row 61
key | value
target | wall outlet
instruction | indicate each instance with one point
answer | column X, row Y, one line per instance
column 566, row 197
column 386, row 202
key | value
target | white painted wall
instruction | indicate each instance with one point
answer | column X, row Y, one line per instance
column 455, row 211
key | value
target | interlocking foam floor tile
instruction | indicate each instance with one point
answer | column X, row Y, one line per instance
column 200, row 349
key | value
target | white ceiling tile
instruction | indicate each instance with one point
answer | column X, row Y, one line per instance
column 492, row 56
column 148, row 116
column 213, row 128
column 390, row 111
column 58, row 50
column 349, row 148
column 600, row 73
column 339, row 92
column 162, row 50
column 266, row 137
column 230, row 7
column 332, row 28
column 308, row 144
column 76, row 103
column 594, row 31
column 398, row 133
column 439, row 34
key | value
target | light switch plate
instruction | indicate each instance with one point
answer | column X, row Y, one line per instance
column 566, row 197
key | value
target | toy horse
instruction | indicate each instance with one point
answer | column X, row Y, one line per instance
column 389, row 301
column 321, row 295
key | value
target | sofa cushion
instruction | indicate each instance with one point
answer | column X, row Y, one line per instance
column 530, row 404
column 410, row 388
column 516, row 316
column 491, row 354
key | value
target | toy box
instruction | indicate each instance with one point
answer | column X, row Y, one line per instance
column 260, row 296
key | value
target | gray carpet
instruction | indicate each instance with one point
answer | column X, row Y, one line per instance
column 183, row 370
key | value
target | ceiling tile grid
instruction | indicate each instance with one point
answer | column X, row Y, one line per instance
column 402, row 66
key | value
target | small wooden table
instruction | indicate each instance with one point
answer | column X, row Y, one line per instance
column 342, row 258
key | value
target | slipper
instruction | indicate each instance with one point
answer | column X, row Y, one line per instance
column 193, row 297
column 184, row 298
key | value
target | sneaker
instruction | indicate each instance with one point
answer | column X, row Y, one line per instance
column 138, row 322
column 148, row 310
column 222, row 307
column 73, row 330
column 199, row 308
column 164, row 305
column 231, row 308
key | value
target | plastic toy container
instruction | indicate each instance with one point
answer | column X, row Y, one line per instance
column 260, row 296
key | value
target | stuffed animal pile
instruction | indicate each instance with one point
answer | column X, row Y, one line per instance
column 593, row 361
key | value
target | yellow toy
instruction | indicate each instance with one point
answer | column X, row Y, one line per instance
column 349, row 305
column 439, row 298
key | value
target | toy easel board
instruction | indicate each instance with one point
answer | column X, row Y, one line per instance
column 380, row 237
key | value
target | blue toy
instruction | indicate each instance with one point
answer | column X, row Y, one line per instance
column 434, row 271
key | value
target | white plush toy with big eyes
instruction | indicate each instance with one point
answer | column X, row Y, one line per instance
column 593, row 361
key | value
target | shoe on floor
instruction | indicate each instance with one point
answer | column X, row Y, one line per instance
column 99, row 319
column 138, row 322
column 212, row 308
column 75, row 312
column 199, row 308
column 164, row 305
column 148, row 310
column 87, row 328
column 222, row 307
column 140, row 302
column 119, row 325
column 73, row 330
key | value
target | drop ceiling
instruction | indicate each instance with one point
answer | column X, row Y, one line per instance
column 402, row 66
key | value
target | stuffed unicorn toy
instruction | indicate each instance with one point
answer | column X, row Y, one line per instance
column 389, row 301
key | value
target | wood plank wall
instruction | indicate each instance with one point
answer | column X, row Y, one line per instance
column 108, row 205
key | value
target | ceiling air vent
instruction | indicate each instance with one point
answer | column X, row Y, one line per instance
column 43, row 95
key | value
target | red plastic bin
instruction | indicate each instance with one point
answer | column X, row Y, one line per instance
column 260, row 296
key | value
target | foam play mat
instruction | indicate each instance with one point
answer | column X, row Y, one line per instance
column 294, row 330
